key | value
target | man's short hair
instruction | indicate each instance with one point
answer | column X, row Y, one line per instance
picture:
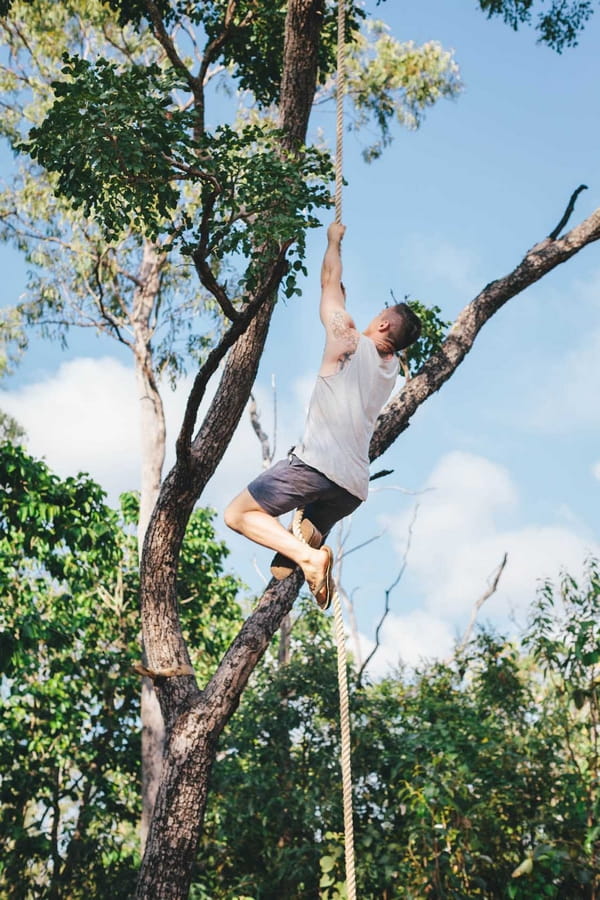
column 405, row 326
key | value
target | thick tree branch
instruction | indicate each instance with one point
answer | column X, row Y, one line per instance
column 211, row 284
column 540, row 260
column 241, row 323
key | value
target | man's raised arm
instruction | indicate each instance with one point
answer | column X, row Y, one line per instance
column 332, row 292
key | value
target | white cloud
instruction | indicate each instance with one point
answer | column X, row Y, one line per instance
column 408, row 640
column 85, row 417
column 596, row 470
column 459, row 539
column 82, row 418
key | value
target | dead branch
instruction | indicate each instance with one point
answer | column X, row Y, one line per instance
column 260, row 434
column 568, row 211
column 388, row 594
column 477, row 606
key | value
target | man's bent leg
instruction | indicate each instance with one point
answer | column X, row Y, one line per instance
column 247, row 517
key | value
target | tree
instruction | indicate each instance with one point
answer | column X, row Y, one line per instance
column 476, row 777
column 128, row 280
column 69, row 695
column 558, row 27
column 244, row 209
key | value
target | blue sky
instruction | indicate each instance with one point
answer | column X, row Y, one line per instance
column 506, row 456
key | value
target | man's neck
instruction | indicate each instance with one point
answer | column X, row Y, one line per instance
column 384, row 347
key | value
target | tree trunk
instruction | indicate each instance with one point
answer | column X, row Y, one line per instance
column 152, row 452
column 194, row 719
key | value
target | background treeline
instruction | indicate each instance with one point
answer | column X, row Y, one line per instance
column 475, row 777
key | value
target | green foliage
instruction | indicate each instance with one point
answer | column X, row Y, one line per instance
column 388, row 80
column 69, row 699
column 476, row 778
column 258, row 197
column 121, row 150
column 559, row 26
column 466, row 782
column 126, row 157
column 107, row 136
column 433, row 332
column 69, row 748
column 255, row 50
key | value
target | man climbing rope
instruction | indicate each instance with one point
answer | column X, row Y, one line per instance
column 327, row 473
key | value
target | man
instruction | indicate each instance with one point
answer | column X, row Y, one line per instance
column 328, row 472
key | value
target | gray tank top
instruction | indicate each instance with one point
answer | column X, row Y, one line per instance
column 342, row 414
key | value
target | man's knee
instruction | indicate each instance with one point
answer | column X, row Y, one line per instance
column 233, row 516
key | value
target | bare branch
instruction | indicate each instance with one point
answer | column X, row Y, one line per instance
column 168, row 46
column 381, row 474
column 193, row 171
column 388, row 593
column 260, row 434
column 568, row 211
column 110, row 321
column 477, row 606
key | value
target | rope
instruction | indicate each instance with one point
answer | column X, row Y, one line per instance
column 341, row 87
column 346, row 760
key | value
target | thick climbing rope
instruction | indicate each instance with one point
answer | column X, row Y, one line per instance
column 346, row 760
column 339, row 123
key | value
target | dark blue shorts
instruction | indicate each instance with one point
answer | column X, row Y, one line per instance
column 291, row 484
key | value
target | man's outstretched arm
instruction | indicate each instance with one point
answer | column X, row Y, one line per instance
column 332, row 292
column 341, row 334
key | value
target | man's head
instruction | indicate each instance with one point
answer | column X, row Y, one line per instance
column 395, row 328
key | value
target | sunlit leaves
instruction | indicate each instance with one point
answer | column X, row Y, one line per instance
column 388, row 80
column 121, row 151
column 259, row 197
column 462, row 771
column 254, row 47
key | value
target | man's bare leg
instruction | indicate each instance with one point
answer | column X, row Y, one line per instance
column 245, row 516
